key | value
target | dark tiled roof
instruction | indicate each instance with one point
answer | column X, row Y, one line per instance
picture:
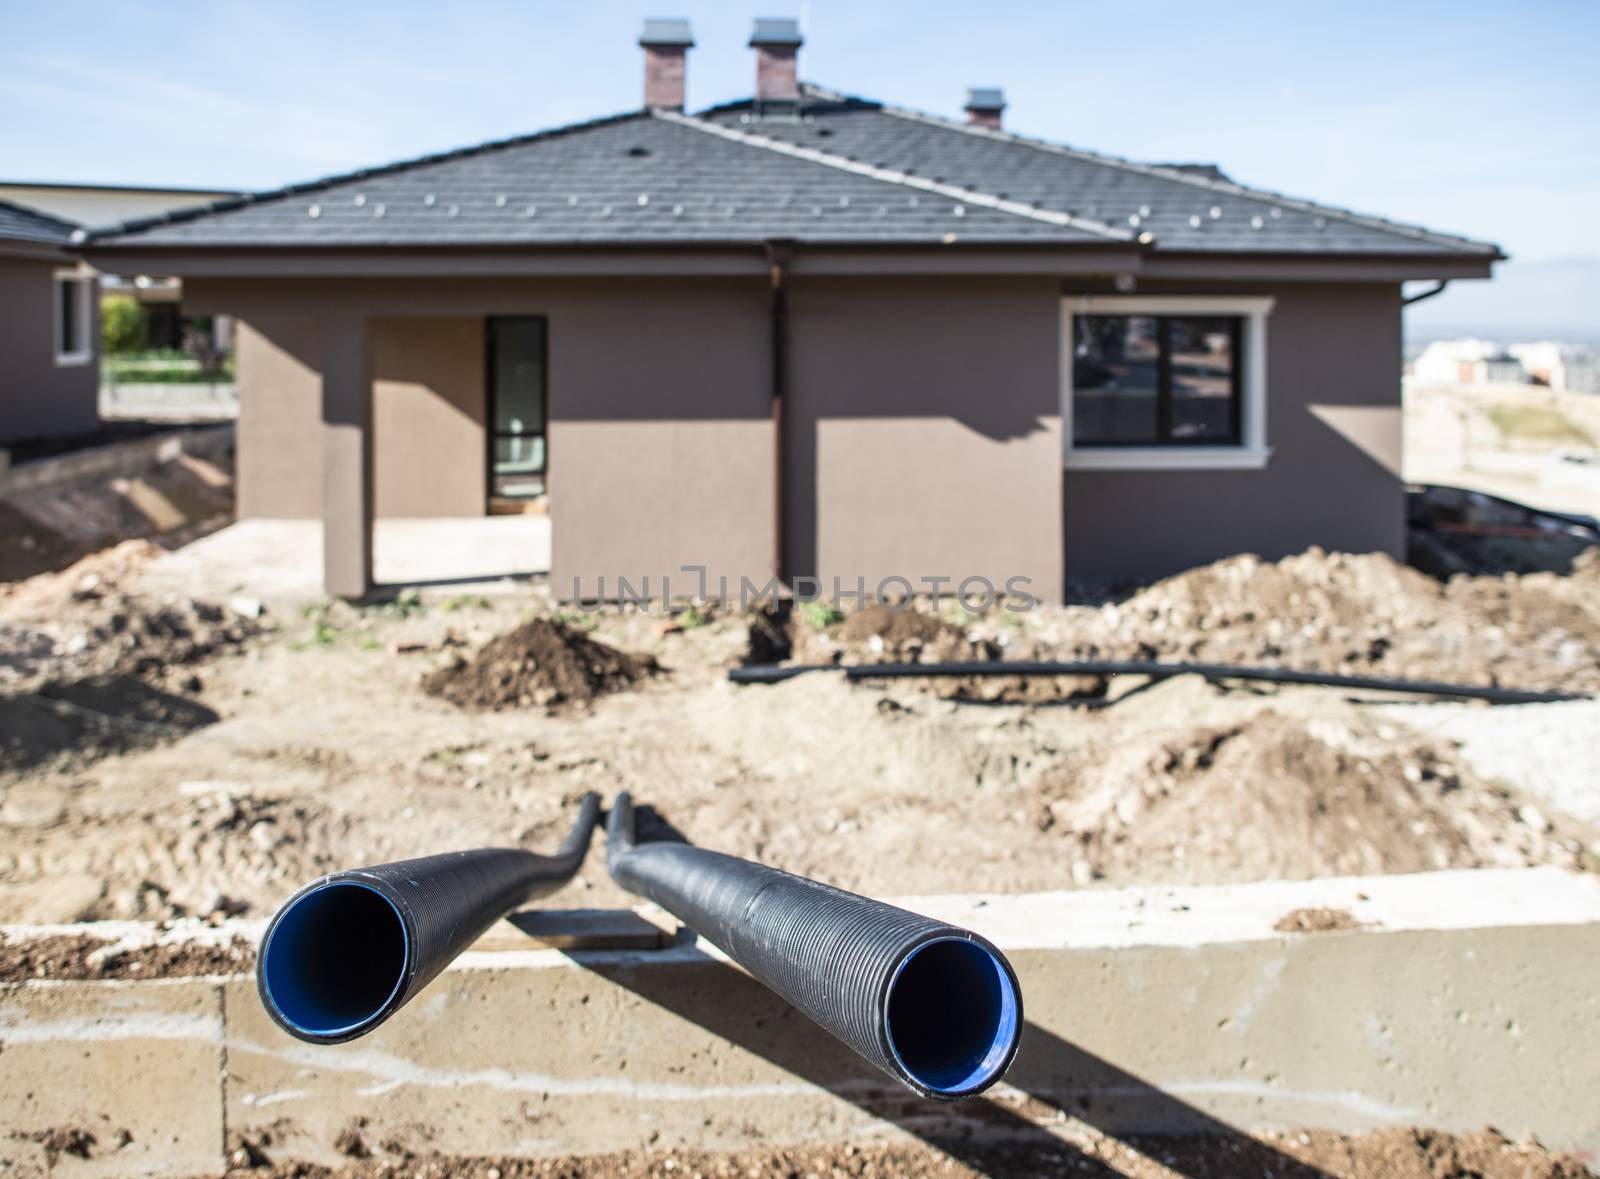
column 1184, row 207
column 846, row 171
column 646, row 178
column 18, row 223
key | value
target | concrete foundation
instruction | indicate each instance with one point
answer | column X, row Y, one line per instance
column 1458, row 999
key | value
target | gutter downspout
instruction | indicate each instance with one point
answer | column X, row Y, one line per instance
column 1438, row 290
column 778, row 255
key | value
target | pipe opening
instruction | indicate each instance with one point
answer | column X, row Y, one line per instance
column 335, row 958
column 953, row 1016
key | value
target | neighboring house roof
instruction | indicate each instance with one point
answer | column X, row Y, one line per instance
column 846, row 171
column 1184, row 207
column 102, row 204
column 18, row 223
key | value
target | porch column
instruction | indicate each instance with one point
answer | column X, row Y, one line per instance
column 346, row 454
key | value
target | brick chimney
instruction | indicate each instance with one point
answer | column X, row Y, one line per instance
column 666, row 43
column 984, row 104
column 777, row 42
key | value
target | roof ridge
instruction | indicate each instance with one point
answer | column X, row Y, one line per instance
column 1298, row 204
column 194, row 212
column 969, row 196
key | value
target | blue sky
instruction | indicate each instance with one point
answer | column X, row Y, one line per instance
column 1480, row 118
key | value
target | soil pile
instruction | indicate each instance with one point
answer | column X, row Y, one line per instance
column 885, row 634
column 82, row 623
column 1353, row 615
column 89, row 667
column 1394, row 1153
column 82, row 956
column 542, row 663
column 1272, row 797
column 1182, row 783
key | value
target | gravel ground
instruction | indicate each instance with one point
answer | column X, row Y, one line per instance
column 1395, row 1153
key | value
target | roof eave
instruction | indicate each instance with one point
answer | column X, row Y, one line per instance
column 621, row 259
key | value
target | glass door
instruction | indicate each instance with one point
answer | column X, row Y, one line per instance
column 516, row 408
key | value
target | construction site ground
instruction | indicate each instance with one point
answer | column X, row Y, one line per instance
column 167, row 758
column 164, row 758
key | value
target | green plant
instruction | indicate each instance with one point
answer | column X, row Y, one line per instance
column 464, row 602
column 691, row 616
column 819, row 614
column 406, row 604
column 324, row 630
column 124, row 324
column 575, row 618
column 164, row 366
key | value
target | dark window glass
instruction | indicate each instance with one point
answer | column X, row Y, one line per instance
column 1144, row 380
column 67, row 320
column 517, row 390
column 1205, row 398
column 1115, row 389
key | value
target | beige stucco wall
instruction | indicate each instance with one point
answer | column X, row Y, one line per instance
column 924, row 428
column 660, row 418
column 428, row 416
column 660, row 435
column 279, row 465
column 428, row 407
column 38, row 398
column 925, row 432
column 1333, row 423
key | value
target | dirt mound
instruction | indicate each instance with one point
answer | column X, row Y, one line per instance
column 82, row 956
column 885, row 634
column 1316, row 921
column 1273, row 797
column 1354, row 615
column 82, row 622
column 541, row 663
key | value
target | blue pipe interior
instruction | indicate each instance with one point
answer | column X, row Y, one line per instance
column 953, row 1015
column 335, row 958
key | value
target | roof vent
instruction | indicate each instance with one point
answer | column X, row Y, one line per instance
column 777, row 42
column 666, row 42
column 984, row 106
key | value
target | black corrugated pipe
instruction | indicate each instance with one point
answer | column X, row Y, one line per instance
column 350, row 949
column 932, row 1005
column 773, row 673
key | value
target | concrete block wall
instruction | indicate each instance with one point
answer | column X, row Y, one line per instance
column 1458, row 999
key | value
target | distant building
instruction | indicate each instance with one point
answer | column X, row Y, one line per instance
column 49, row 328
column 1467, row 362
column 92, row 205
column 1561, row 366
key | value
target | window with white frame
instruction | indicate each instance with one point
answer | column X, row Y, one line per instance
column 74, row 317
column 1164, row 382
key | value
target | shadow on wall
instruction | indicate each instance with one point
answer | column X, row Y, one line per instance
column 982, row 1132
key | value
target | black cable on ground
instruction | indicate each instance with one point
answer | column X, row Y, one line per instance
column 774, row 673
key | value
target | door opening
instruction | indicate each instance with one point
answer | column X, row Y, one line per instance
column 518, row 459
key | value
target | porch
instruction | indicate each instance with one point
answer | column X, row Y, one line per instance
column 281, row 561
